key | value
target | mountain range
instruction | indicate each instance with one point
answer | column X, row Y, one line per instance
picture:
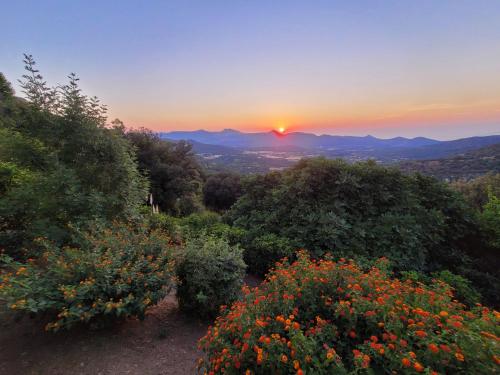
column 261, row 152
column 237, row 139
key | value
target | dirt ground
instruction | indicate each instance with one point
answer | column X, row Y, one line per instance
column 164, row 343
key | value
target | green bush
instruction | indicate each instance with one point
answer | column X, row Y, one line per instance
column 261, row 252
column 490, row 219
column 200, row 222
column 180, row 228
column 169, row 224
column 462, row 287
column 365, row 211
column 210, row 274
column 113, row 273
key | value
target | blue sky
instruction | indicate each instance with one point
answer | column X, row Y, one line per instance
column 385, row 68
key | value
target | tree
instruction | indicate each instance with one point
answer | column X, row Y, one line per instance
column 6, row 90
column 490, row 219
column 363, row 211
column 60, row 165
column 476, row 191
column 174, row 173
column 221, row 190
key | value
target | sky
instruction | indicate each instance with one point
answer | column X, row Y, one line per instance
column 386, row 68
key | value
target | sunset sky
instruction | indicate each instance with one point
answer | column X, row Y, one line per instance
column 386, row 68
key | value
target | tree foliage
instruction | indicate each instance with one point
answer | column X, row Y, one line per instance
column 221, row 190
column 174, row 173
column 60, row 165
column 364, row 211
column 477, row 190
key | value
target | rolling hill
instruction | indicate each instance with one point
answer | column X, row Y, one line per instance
column 262, row 152
column 464, row 166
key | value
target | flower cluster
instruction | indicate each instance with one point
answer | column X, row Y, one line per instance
column 322, row 317
column 115, row 274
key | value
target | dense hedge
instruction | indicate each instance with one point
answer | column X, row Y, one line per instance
column 323, row 317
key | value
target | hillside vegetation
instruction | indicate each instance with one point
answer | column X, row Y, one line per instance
column 369, row 270
column 464, row 166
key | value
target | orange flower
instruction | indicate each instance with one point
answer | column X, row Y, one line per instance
column 329, row 355
column 421, row 333
column 444, row 348
column 366, row 360
column 418, row 367
column 459, row 356
column 284, row 358
column 444, row 314
column 433, row 348
column 260, row 323
column 406, row 362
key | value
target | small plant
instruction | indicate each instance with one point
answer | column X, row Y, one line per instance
column 114, row 273
column 327, row 317
column 210, row 274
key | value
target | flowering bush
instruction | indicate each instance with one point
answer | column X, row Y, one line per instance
column 115, row 273
column 323, row 317
column 210, row 274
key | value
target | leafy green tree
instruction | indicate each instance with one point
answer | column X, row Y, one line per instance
column 6, row 90
column 175, row 175
column 476, row 191
column 221, row 190
column 490, row 219
column 61, row 165
column 363, row 211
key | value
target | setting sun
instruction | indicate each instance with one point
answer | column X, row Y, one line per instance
column 281, row 129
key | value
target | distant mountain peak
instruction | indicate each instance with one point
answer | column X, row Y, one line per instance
column 228, row 130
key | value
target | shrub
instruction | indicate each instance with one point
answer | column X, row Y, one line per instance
column 168, row 224
column 490, row 220
column 363, row 210
column 114, row 273
column 262, row 251
column 197, row 223
column 210, row 274
column 323, row 317
column 462, row 288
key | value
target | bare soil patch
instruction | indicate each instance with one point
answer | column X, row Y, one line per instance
column 164, row 343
